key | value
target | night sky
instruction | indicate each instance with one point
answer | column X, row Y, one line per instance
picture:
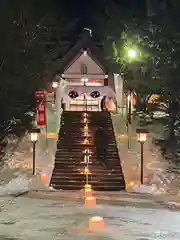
column 85, row 9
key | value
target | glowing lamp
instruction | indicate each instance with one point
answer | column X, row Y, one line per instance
column 85, row 114
column 96, row 223
column 86, row 141
column 84, row 52
column 44, row 177
column 87, row 186
column 85, row 134
column 86, row 170
column 86, row 127
column 34, row 134
column 129, row 185
column 34, row 137
column 88, row 192
column 141, row 135
column 90, row 201
column 84, row 79
column 55, row 84
column 85, row 120
column 132, row 53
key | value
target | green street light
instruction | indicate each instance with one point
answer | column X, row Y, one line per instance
column 132, row 53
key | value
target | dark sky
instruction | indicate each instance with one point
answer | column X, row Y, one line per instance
column 86, row 9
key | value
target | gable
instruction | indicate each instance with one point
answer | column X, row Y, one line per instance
column 84, row 61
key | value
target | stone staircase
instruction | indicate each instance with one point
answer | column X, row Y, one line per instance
column 68, row 173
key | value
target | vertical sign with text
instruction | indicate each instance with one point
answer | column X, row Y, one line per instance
column 40, row 108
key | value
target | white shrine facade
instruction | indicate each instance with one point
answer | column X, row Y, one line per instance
column 84, row 78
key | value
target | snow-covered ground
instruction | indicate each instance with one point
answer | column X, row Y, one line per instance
column 157, row 177
column 66, row 217
column 16, row 171
column 47, row 219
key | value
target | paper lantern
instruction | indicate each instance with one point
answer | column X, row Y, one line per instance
column 86, row 134
column 86, row 170
column 86, row 141
column 44, row 177
column 129, row 185
column 85, row 120
column 96, row 223
column 88, row 192
column 86, row 127
column 87, row 186
column 85, row 114
column 90, row 201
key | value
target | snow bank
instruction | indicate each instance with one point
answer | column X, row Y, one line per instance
column 16, row 185
column 152, row 189
column 156, row 176
column 16, row 173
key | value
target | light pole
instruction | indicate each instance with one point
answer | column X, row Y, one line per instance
column 34, row 137
column 129, row 108
column 55, row 85
column 141, row 137
column 131, row 55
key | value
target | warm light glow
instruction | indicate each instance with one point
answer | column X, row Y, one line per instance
column 44, row 177
column 55, row 84
column 81, row 102
column 88, row 192
column 129, row 97
column 86, row 141
column 96, row 223
column 86, row 171
column 52, row 135
column 85, row 134
column 34, row 137
column 132, row 53
column 87, row 186
column 142, row 134
column 142, row 137
column 85, row 114
column 86, row 127
column 129, row 185
column 90, row 201
column 84, row 52
column 85, row 120
column 84, row 79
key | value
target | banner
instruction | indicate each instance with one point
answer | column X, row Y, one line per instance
column 40, row 108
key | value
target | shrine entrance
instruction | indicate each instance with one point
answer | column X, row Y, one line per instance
column 85, row 105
